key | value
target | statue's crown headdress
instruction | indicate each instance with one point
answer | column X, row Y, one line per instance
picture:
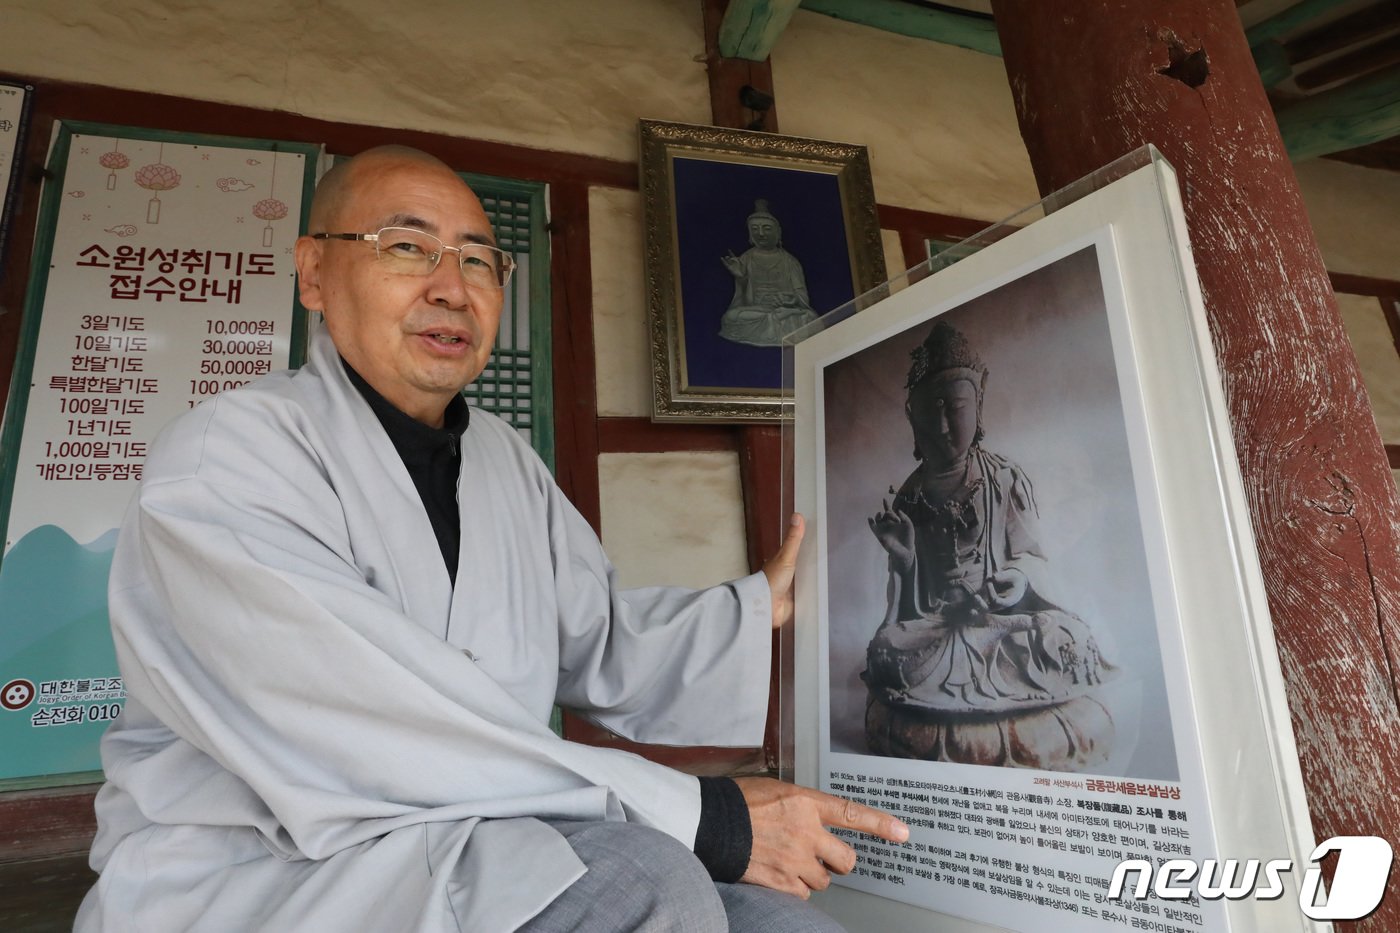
column 945, row 349
column 760, row 209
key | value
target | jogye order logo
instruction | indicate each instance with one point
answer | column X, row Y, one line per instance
column 1363, row 865
column 17, row 694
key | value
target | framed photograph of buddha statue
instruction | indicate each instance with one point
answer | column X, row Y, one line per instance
column 1030, row 621
column 749, row 236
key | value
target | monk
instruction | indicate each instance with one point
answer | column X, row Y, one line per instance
column 344, row 605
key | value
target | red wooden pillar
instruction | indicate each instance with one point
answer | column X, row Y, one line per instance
column 1094, row 79
column 760, row 447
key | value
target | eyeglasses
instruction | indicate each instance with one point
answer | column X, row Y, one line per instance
column 408, row 251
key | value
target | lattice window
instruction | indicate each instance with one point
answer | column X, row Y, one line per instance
column 516, row 384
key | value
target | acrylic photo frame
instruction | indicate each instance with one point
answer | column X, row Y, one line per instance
column 1238, row 785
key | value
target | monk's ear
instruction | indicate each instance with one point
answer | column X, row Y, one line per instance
column 308, row 259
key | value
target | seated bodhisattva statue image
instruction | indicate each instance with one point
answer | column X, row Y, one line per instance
column 770, row 292
column 971, row 663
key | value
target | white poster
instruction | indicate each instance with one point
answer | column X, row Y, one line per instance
column 1005, row 683
column 170, row 278
column 1024, row 587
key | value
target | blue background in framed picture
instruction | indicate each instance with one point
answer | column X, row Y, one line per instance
column 714, row 199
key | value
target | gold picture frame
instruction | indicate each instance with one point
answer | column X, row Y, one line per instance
column 717, row 309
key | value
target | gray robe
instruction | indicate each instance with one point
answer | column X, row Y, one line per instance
column 322, row 734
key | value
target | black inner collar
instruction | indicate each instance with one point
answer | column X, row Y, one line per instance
column 432, row 457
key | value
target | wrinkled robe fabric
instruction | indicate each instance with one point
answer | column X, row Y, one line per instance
column 321, row 733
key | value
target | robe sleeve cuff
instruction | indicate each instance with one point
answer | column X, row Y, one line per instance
column 755, row 600
column 724, row 838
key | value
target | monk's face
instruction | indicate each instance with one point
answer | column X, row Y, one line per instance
column 943, row 414
column 416, row 339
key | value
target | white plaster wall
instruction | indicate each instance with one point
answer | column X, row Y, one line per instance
column 1377, row 357
column 621, row 343
column 675, row 518
column 894, row 253
column 1355, row 212
column 554, row 75
column 939, row 121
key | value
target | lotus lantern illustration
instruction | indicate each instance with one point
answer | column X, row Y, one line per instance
column 156, row 177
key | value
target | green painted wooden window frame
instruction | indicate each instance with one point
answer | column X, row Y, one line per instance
column 518, row 383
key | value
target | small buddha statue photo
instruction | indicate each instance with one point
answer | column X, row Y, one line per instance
column 972, row 663
column 770, row 292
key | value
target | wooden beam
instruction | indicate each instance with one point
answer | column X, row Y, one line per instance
column 1271, row 62
column 703, row 760
column 1351, row 284
column 1339, row 34
column 751, row 28
column 767, row 503
column 1364, row 60
column 729, row 76
column 974, row 31
column 41, row 823
column 1390, row 308
column 1290, row 19
column 929, row 224
column 916, row 227
column 1355, row 114
column 1383, row 155
column 644, row 436
column 575, row 368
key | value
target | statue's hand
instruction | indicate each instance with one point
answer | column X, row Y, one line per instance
column 732, row 263
column 895, row 532
column 1006, row 588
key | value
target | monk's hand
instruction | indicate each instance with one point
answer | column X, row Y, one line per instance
column 780, row 570
column 792, row 849
column 895, row 532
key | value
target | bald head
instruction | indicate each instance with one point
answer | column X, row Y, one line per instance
column 418, row 336
column 337, row 187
